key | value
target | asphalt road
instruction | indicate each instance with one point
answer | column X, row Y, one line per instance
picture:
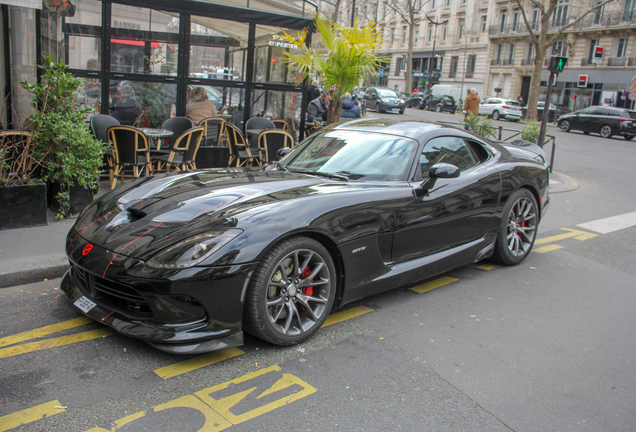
column 548, row 345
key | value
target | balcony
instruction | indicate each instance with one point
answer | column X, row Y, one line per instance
column 631, row 61
column 510, row 29
column 507, row 62
column 587, row 62
column 607, row 19
column 527, row 62
column 495, row 62
column 469, row 74
column 616, row 61
column 452, row 73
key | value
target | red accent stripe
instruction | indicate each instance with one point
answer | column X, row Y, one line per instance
column 117, row 254
column 107, row 316
column 116, row 208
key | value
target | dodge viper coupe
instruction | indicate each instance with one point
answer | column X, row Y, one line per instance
column 187, row 261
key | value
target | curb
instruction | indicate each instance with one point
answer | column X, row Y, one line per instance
column 33, row 275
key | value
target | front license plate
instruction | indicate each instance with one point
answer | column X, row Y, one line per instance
column 84, row 304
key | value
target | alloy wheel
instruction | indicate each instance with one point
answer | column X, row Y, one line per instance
column 522, row 224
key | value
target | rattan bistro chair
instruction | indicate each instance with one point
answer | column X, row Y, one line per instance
column 130, row 150
column 270, row 141
column 183, row 153
column 239, row 151
column 99, row 124
column 213, row 130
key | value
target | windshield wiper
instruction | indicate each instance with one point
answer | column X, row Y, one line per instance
column 280, row 167
column 323, row 174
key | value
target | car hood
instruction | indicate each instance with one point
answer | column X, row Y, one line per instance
column 139, row 219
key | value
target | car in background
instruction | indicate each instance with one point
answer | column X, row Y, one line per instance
column 500, row 107
column 441, row 103
column 605, row 121
column 413, row 101
column 383, row 99
column 424, row 101
column 555, row 112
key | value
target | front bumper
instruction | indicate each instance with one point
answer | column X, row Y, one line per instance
column 388, row 106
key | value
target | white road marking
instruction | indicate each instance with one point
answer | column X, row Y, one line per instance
column 611, row 224
column 552, row 181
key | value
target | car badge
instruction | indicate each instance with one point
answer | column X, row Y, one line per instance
column 87, row 249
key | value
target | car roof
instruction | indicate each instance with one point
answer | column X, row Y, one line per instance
column 411, row 128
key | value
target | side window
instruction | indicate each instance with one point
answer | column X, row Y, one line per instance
column 450, row 150
column 479, row 150
column 587, row 111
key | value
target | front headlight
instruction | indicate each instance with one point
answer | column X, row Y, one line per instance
column 402, row 101
column 192, row 251
column 386, row 100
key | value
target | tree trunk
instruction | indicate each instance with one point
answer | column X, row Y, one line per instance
column 409, row 58
column 336, row 9
column 335, row 109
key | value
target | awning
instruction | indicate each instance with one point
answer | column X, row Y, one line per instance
column 135, row 42
column 33, row 4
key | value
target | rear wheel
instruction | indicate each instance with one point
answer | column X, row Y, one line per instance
column 438, row 108
column 377, row 108
column 564, row 126
column 518, row 228
column 628, row 137
column 606, row 131
column 291, row 292
column 495, row 115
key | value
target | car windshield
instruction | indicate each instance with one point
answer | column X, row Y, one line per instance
column 387, row 93
column 353, row 154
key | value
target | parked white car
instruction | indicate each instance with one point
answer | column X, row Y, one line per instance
column 498, row 108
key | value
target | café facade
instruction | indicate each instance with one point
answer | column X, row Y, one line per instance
column 162, row 50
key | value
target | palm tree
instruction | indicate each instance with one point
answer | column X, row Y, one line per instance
column 340, row 57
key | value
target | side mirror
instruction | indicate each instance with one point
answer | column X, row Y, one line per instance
column 281, row 153
column 443, row 170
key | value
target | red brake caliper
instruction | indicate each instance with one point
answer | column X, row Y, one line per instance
column 307, row 290
column 521, row 224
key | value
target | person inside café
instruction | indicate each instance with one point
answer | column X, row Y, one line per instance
column 318, row 108
column 199, row 106
column 125, row 107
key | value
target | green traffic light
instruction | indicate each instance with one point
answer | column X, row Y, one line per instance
column 560, row 65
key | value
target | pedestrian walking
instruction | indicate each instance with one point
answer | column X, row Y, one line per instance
column 471, row 104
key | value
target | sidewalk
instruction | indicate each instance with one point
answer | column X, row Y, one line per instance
column 30, row 255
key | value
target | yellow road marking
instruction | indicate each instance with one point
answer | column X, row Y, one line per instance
column 213, row 420
column 55, row 342
column 30, row 415
column 44, row 331
column 488, row 267
column 197, row 362
column 548, row 248
column 345, row 315
column 566, row 176
column 429, row 286
column 579, row 235
column 575, row 184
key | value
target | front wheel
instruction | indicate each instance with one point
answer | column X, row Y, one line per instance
column 377, row 108
column 518, row 228
column 495, row 115
column 291, row 292
column 402, row 112
column 565, row 126
column 606, row 131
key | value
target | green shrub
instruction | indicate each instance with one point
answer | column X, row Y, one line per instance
column 531, row 131
column 481, row 126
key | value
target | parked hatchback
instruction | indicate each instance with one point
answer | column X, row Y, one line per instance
column 498, row 108
column 606, row 121
column 383, row 99
column 413, row 101
column 441, row 103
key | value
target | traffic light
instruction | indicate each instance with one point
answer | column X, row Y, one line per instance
column 557, row 64
column 573, row 97
column 423, row 80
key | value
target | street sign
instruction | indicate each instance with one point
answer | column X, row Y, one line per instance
column 632, row 95
column 598, row 55
column 557, row 64
column 582, row 81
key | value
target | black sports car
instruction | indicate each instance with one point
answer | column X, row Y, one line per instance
column 187, row 261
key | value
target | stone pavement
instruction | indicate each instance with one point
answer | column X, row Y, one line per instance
column 30, row 255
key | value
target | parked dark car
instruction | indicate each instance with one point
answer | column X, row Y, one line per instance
column 441, row 103
column 555, row 112
column 414, row 100
column 606, row 121
column 383, row 99
column 188, row 260
column 424, row 101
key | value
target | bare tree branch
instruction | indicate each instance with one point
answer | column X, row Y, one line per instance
column 557, row 35
column 535, row 39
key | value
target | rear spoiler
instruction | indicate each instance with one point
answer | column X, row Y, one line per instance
column 526, row 145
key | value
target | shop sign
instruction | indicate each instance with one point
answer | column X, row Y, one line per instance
column 126, row 25
column 278, row 41
column 598, row 55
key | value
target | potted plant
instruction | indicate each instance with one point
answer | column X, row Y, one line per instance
column 22, row 198
column 70, row 156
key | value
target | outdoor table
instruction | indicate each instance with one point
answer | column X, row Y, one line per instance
column 157, row 135
column 252, row 139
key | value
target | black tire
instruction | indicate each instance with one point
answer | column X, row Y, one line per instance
column 495, row 115
column 518, row 228
column 628, row 137
column 377, row 108
column 298, row 305
column 606, row 131
column 586, row 133
column 564, row 125
column 402, row 112
column 438, row 109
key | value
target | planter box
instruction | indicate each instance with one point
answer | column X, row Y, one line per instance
column 22, row 206
column 80, row 198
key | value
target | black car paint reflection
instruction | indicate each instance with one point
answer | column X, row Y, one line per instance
column 384, row 226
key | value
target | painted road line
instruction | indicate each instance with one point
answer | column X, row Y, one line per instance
column 345, row 315
column 611, row 224
column 488, row 267
column 579, row 235
column 429, row 286
column 44, row 331
column 547, row 248
column 55, row 342
column 30, row 415
column 197, row 362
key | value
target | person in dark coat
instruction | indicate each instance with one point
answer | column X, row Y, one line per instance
column 349, row 108
column 318, row 108
column 313, row 91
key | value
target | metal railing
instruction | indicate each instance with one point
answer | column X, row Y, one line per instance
column 587, row 62
column 495, row 62
column 616, row 61
column 607, row 19
column 527, row 62
column 498, row 135
column 507, row 62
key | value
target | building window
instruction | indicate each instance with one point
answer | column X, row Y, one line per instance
column 598, row 13
column 629, row 10
column 403, row 35
column 593, row 45
column 470, row 66
column 417, row 34
column 511, row 54
column 559, row 48
column 530, row 52
column 621, row 49
column 502, row 26
column 430, row 32
column 535, row 19
column 392, row 37
column 560, row 17
column 460, row 32
column 484, row 22
column 448, row 2
column 499, row 53
column 444, row 31
column 515, row 21
column 432, row 4
column 452, row 73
